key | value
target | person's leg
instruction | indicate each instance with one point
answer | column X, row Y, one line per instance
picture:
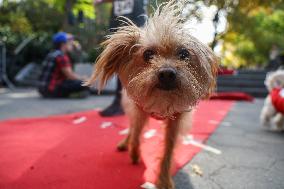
column 115, row 108
column 44, row 93
column 71, row 87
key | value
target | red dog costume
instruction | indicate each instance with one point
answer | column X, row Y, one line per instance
column 277, row 98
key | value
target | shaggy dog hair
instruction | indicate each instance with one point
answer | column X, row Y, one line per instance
column 269, row 115
column 164, row 72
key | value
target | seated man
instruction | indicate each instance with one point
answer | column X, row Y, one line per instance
column 57, row 78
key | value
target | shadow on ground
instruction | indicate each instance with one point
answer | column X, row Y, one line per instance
column 182, row 180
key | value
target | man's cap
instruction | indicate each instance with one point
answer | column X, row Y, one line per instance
column 62, row 37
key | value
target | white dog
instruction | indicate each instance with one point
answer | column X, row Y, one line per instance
column 271, row 113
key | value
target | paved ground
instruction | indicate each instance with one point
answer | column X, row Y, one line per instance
column 27, row 103
column 251, row 158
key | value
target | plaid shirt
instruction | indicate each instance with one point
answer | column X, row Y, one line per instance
column 52, row 74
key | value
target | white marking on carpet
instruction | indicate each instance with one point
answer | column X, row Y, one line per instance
column 150, row 133
column 106, row 124
column 79, row 120
column 124, row 131
column 148, row 185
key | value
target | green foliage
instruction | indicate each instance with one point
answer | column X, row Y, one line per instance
column 21, row 19
column 8, row 36
column 27, row 18
column 16, row 20
column 40, row 19
column 46, row 19
column 253, row 34
column 93, row 54
column 87, row 6
column 253, row 26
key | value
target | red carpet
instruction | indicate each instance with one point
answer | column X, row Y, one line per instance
column 236, row 96
column 74, row 151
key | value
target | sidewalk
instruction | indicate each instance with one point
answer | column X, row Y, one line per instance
column 251, row 157
column 27, row 103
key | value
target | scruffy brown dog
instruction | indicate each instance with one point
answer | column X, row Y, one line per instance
column 164, row 71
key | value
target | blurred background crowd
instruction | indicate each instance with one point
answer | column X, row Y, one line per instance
column 244, row 34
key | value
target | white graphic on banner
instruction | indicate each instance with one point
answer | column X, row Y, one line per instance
column 123, row 7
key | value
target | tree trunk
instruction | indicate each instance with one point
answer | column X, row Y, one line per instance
column 215, row 23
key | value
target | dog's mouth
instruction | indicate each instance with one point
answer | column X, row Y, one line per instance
column 166, row 86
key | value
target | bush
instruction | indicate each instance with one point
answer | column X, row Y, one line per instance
column 34, row 51
column 93, row 54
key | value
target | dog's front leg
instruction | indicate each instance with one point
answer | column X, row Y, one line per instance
column 138, row 119
column 132, row 141
column 172, row 130
column 268, row 112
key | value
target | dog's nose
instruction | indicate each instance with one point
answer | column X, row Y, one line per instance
column 167, row 78
column 167, row 75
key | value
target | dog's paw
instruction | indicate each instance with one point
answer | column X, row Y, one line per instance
column 135, row 158
column 279, row 127
column 266, row 124
column 122, row 147
column 134, row 155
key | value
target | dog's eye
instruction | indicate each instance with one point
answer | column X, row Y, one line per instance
column 148, row 55
column 183, row 54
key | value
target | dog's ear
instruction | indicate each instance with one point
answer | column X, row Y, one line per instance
column 214, row 62
column 117, row 50
column 210, row 61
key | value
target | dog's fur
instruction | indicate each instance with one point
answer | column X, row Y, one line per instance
column 124, row 54
column 269, row 115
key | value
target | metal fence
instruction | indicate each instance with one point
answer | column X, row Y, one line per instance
column 3, row 67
